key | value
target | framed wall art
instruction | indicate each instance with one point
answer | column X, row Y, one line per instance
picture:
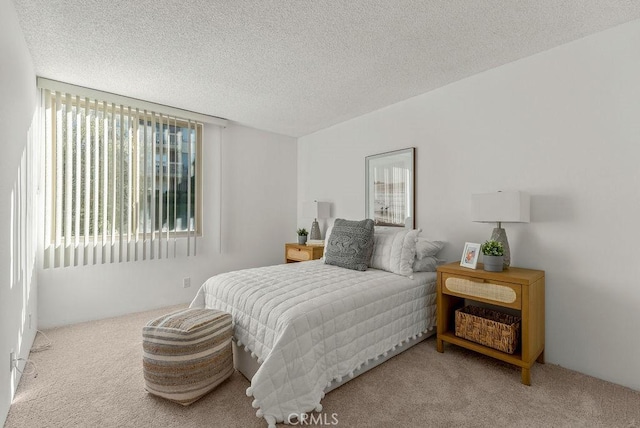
column 390, row 188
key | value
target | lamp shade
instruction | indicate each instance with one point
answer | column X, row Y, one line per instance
column 316, row 209
column 505, row 207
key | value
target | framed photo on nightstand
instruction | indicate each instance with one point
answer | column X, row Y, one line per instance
column 470, row 255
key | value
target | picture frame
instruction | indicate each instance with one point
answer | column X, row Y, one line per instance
column 470, row 255
column 390, row 188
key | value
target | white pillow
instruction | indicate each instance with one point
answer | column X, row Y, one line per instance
column 394, row 250
column 426, row 248
column 326, row 239
column 426, row 264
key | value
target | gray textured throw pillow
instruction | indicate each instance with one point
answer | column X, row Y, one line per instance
column 350, row 244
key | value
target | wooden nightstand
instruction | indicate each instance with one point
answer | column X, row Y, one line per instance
column 515, row 288
column 302, row 253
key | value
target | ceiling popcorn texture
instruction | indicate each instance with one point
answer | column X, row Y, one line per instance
column 294, row 66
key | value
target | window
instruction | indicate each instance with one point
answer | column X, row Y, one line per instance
column 122, row 182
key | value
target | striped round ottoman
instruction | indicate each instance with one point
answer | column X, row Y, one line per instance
column 187, row 353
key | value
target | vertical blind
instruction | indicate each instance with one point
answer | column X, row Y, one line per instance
column 122, row 182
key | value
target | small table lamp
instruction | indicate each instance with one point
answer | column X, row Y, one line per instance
column 316, row 210
column 501, row 207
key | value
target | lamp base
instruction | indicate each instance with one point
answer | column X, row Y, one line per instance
column 500, row 235
column 315, row 230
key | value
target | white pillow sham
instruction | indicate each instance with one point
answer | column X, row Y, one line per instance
column 426, row 264
column 426, row 248
column 326, row 238
column 394, row 250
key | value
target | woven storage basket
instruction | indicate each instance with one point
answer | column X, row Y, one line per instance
column 488, row 327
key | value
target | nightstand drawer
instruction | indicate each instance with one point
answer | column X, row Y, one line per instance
column 299, row 254
column 484, row 290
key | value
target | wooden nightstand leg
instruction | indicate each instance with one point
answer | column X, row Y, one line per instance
column 526, row 376
column 540, row 358
column 440, row 345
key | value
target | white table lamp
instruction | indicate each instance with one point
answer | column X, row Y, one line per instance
column 501, row 207
column 316, row 210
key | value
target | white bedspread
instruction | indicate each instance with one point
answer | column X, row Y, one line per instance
column 311, row 323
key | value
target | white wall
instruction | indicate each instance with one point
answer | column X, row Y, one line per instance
column 563, row 125
column 258, row 216
column 18, row 285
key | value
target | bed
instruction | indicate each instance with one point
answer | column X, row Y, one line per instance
column 309, row 327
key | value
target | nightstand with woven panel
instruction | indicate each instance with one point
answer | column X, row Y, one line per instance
column 516, row 290
column 302, row 253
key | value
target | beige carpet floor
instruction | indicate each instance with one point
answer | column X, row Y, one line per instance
column 92, row 377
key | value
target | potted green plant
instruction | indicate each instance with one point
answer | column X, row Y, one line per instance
column 302, row 236
column 493, row 255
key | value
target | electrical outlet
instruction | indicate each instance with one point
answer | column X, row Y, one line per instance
column 12, row 360
column 186, row 282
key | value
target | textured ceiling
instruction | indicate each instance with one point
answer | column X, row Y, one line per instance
column 294, row 66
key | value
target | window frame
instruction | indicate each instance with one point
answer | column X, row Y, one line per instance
column 138, row 234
